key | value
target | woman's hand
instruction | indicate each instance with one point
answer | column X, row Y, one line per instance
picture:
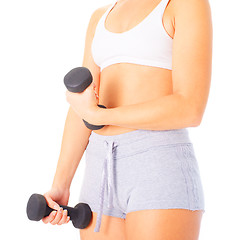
column 84, row 103
column 58, row 216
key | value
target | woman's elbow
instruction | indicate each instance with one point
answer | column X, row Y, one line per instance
column 196, row 118
column 192, row 113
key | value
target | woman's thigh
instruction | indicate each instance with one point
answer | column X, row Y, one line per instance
column 163, row 224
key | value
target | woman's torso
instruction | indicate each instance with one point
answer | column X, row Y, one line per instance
column 129, row 83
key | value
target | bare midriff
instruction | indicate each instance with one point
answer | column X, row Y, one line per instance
column 127, row 83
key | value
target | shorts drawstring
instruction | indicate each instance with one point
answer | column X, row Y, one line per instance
column 107, row 180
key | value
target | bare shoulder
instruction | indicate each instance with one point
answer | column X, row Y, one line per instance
column 181, row 11
column 197, row 8
column 193, row 17
column 97, row 14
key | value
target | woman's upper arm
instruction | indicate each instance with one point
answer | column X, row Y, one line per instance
column 192, row 53
column 88, row 60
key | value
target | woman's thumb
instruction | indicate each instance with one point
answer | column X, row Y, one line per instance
column 52, row 204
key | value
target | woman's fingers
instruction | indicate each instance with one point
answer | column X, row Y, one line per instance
column 63, row 220
column 58, row 217
column 52, row 204
column 50, row 217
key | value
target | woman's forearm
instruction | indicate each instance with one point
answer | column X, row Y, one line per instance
column 74, row 141
column 167, row 112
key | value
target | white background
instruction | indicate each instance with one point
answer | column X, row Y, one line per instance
column 40, row 42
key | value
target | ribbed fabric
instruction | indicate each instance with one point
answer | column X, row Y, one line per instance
column 145, row 44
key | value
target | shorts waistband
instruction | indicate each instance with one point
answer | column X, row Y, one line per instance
column 172, row 136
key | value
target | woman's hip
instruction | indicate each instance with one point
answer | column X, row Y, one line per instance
column 143, row 157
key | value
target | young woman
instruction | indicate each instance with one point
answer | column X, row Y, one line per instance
column 151, row 65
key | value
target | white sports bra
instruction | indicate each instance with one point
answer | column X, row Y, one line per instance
column 146, row 44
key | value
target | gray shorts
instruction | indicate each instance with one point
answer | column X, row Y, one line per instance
column 141, row 169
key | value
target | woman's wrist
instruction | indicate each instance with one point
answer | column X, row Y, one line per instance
column 97, row 116
column 61, row 182
column 100, row 116
column 60, row 186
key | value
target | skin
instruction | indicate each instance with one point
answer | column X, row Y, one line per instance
column 179, row 97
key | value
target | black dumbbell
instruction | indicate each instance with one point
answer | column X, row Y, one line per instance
column 37, row 208
column 77, row 80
